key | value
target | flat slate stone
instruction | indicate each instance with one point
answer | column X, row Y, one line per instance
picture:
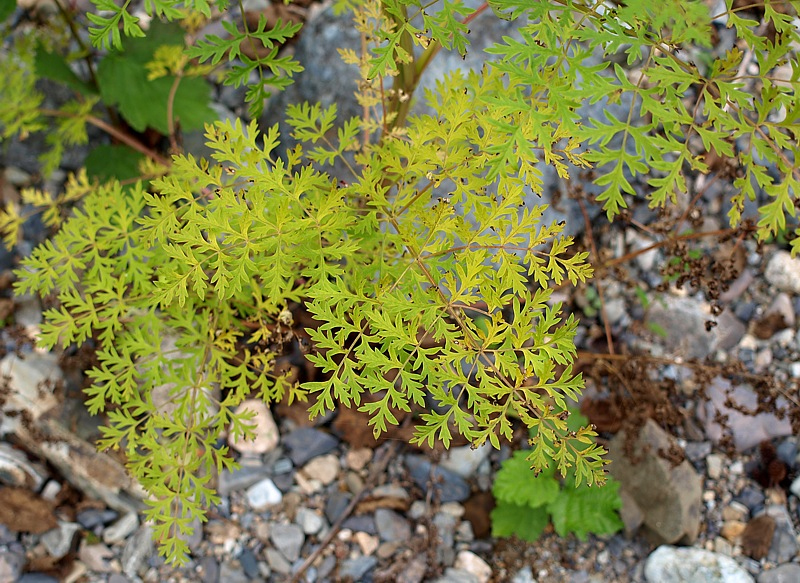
column 307, row 443
column 447, row 486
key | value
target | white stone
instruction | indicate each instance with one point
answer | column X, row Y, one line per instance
column 50, row 490
column 266, row 431
column 472, row 563
column 465, row 460
column 783, row 271
column 324, row 468
column 263, row 494
column 120, row 530
column 668, row 564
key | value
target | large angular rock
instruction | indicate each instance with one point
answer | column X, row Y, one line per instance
column 670, row 498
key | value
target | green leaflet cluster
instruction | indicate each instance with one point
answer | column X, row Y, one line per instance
column 686, row 103
column 527, row 500
column 527, row 503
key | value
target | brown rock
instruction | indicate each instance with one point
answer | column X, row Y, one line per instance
column 669, row 495
column 23, row 511
column 757, row 536
column 477, row 510
column 732, row 529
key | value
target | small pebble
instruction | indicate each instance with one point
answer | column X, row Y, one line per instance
column 714, row 466
column 263, row 494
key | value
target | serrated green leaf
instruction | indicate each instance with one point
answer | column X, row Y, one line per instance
column 524, row 522
column 123, row 81
column 587, row 509
column 107, row 162
column 517, row 483
column 52, row 66
column 7, row 8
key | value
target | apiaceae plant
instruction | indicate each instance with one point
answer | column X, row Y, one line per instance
column 428, row 272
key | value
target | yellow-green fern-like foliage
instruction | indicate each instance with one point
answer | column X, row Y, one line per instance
column 428, row 274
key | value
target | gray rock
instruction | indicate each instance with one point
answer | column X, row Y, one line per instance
column 92, row 518
column 457, row 576
column 7, row 536
column 59, row 540
column 361, row 523
column 239, row 479
column 17, row 177
column 447, row 486
column 414, row 571
column 670, row 497
column 698, row 450
column 356, row 569
column 784, row 540
column 11, row 564
column 121, row 528
column 524, row 575
column 117, row 578
column 16, row 470
column 194, row 538
column 96, row 557
column 307, row 443
column 752, row 498
column 27, row 376
column 783, row 271
column 28, row 310
column 684, row 319
column 336, row 504
column 210, row 570
column 249, row 564
column 668, row 564
column 446, row 528
column 788, row 573
column 277, row 562
column 231, row 574
column 782, row 304
column 391, row 526
column 288, row 539
column 137, row 551
column 465, row 460
column 787, row 452
column 309, row 521
column 747, row 430
column 36, row 578
column 263, row 494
